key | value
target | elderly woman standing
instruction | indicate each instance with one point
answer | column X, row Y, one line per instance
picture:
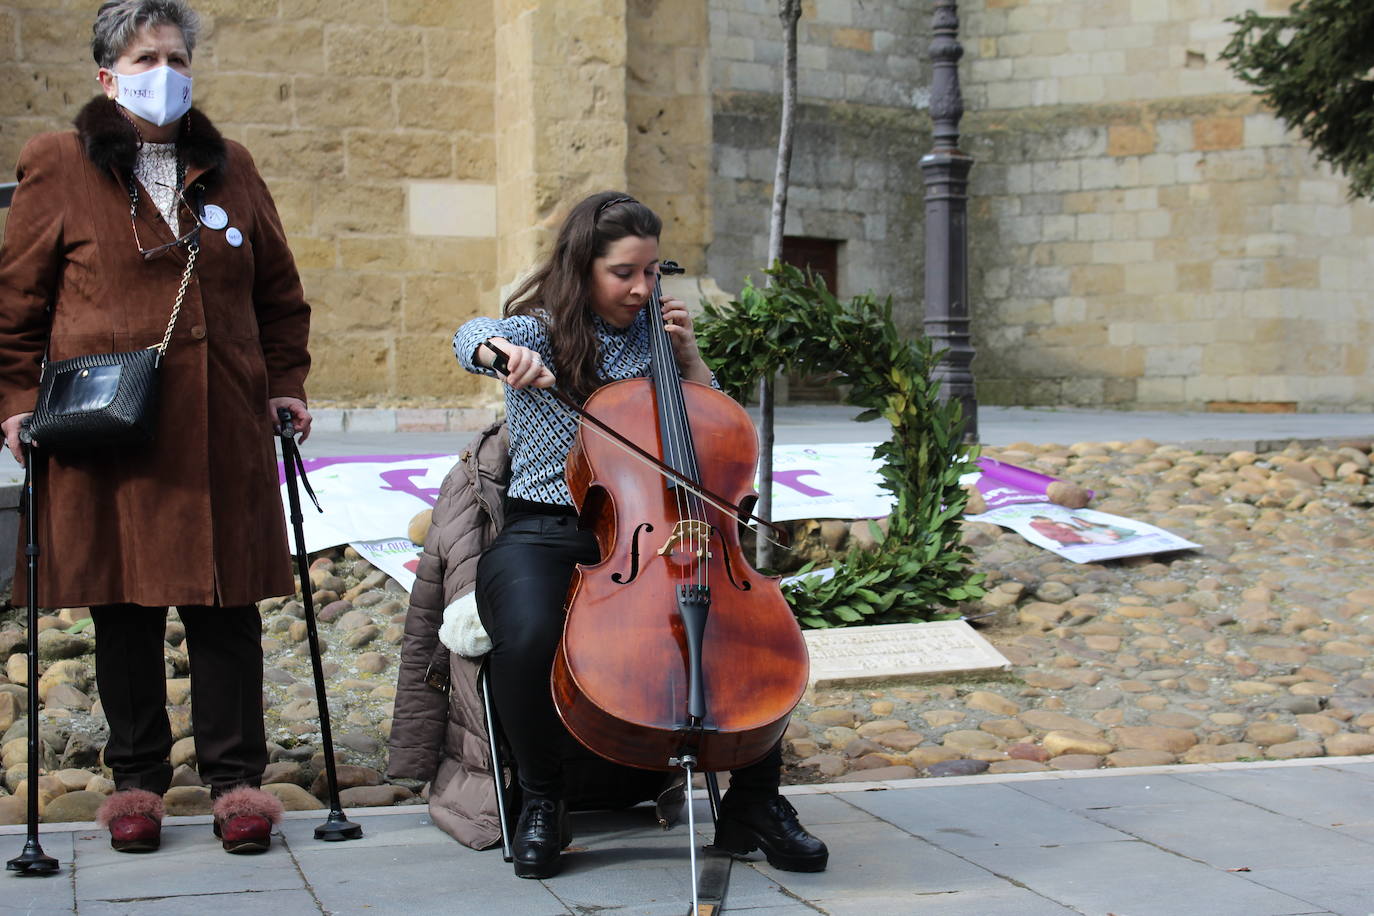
column 96, row 245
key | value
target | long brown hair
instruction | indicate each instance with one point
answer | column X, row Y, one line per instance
column 559, row 292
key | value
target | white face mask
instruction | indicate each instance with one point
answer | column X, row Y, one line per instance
column 160, row 95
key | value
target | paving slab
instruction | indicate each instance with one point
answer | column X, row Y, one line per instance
column 964, row 818
column 1157, row 843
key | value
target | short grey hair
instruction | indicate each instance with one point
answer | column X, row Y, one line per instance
column 119, row 21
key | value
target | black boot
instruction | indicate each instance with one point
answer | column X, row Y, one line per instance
column 770, row 824
column 540, row 836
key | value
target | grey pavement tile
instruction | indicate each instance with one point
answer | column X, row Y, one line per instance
column 1133, row 878
column 407, row 829
column 1329, row 888
column 970, row 817
column 816, row 810
column 278, row 903
column 1001, row 901
column 1361, row 769
column 1233, row 834
column 191, row 862
column 617, row 862
column 877, row 859
column 420, row 881
column 40, row 896
column 1115, row 791
column 1325, row 796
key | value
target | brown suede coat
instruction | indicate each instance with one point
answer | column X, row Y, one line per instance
column 195, row 518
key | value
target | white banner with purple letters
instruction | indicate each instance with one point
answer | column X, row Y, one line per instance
column 372, row 498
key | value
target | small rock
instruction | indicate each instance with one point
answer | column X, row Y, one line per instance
column 1265, row 734
column 826, row 764
column 178, row 690
column 1016, row 766
column 184, row 800
column 184, row 753
column 1059, row 743
column 1140, row 758
column 1346, row 744
column 69, row 672
column 991, row 702
column 73, row 779
column 926, row 756
column 829, row 717
column 349, row 775
column 65, row 696
column 11, row 710
column 363, row 744
column 79, row 805
column 293, row 797
column 353, row 620
column 184, row 775
column 960, row 767
column 360, row 637
column 373, row 662
column 1293, row 749
column 880, row 774
column 14, row 812
column 1008, row 729
column 54, row 645
column 179, row 718
column 1154, row 738
column 284, row 771
column 374, row 796
column 967, row 739
column 1034, row 752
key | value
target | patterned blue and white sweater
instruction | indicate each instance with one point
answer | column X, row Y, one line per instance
column 541, row 431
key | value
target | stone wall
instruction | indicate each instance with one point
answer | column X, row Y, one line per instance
column 1144, row 233
column 373, row 125
column 861, row 129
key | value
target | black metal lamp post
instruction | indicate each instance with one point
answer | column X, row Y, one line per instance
column 946, row 169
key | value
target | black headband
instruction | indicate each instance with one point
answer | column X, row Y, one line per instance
column 611, row 203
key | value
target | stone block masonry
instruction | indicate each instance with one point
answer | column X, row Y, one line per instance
column 1144, row 233
column 374, row 127
column 1154, row 239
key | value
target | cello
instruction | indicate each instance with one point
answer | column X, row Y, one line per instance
column 676, row 652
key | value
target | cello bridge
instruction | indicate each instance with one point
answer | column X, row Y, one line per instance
column 693, row 532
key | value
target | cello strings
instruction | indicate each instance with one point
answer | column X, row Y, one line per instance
column 731, row 511
column 678, row 433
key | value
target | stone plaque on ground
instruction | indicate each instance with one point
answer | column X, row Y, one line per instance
column 898, row 650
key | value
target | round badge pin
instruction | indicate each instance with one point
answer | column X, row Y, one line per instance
column 214, row 217
column 233, row 237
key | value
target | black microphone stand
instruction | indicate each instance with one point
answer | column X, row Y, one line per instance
column 336, row 826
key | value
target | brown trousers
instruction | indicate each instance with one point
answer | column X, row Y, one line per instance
column 225, row 647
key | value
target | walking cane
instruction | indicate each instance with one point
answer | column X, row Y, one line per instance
column 32, row 861
column 336, row 826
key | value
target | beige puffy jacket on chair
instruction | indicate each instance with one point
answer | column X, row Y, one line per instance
column 437, row 737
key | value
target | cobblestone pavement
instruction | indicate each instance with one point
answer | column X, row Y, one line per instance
column 1255, row 647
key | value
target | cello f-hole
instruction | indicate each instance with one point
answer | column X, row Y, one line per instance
column 619, row 578
column 742, row 585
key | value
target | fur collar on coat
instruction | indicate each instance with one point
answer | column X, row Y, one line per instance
column 112, row 143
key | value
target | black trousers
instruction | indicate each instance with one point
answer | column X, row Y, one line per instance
column 225, row 649
column 522, row 583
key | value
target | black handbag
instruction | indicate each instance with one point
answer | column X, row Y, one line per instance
column 107, row 400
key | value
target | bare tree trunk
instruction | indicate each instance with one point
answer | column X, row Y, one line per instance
column 789, row 11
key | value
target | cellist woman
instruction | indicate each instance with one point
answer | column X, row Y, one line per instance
column 578, row 322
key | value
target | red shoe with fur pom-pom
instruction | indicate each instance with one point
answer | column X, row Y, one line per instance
column 244, row 818
column 134, row 819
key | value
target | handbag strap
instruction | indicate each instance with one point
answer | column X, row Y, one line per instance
column 192, row 249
